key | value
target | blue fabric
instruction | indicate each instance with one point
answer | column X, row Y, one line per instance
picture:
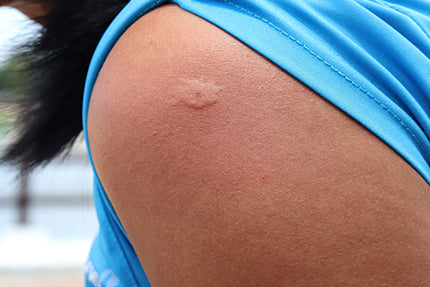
column 370, row 58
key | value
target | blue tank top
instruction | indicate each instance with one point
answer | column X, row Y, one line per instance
column 370, row 58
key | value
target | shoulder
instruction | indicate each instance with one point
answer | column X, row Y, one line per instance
column 224, row 168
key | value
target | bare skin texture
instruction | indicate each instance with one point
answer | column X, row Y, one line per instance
column 227, row 171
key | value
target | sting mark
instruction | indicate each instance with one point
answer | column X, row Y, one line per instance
column 206, row 95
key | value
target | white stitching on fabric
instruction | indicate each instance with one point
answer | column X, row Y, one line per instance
column 395, row 116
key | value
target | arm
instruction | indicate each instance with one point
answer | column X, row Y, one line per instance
column 227, row 171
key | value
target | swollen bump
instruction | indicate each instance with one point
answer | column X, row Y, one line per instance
column 196, row 94
column 198, row 101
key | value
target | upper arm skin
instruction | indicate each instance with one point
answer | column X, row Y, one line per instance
column 227, row 171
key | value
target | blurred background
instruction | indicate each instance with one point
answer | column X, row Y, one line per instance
column 47, row 220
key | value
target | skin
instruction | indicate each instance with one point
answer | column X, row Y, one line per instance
column 227, row 171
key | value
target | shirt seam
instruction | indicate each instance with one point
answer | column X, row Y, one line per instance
column 349, row 80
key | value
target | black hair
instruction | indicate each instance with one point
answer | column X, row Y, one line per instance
column 50, row 117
